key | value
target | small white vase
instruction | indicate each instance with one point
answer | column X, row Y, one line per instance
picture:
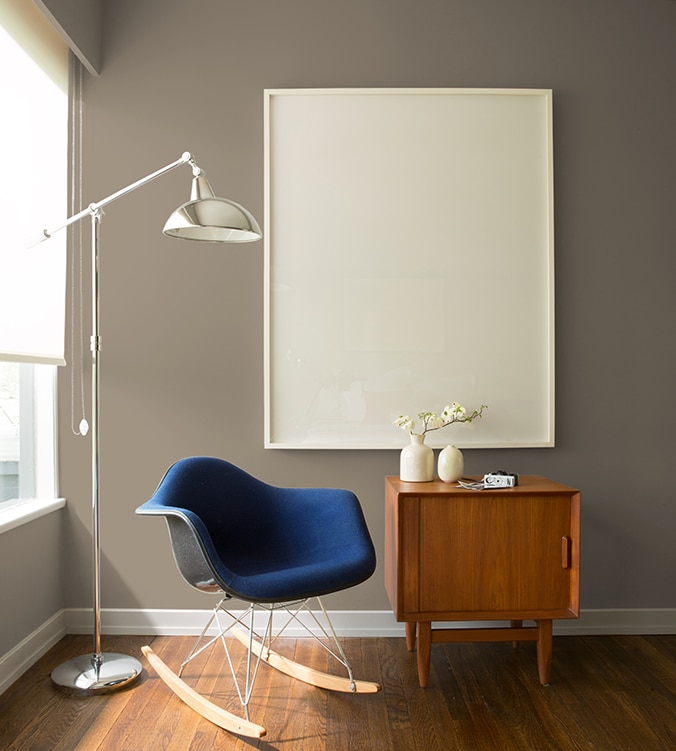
column 416, row 463
column 451, row 464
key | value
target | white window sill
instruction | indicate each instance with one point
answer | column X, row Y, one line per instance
column 26, row 511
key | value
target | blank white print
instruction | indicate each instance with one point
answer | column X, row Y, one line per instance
column 409, row 263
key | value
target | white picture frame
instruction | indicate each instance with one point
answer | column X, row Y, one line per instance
column 409, row 263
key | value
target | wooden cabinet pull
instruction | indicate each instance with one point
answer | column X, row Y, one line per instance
column 565, row 552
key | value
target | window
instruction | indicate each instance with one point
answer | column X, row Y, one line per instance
column 27, row 431
column 34, row 131
column 9, row 432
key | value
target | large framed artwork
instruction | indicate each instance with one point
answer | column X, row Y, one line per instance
column 409, row 263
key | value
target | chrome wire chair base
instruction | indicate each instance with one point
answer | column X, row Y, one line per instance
column 256, row 630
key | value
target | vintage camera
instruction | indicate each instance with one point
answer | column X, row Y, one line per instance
column 500, row 479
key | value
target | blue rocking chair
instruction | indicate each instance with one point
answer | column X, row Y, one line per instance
column 276, row 549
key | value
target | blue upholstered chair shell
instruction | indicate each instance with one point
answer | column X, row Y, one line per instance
column 258, row 542
column 265, row 545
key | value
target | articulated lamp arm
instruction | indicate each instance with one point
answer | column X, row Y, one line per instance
column 205, row 217
column 94, row 208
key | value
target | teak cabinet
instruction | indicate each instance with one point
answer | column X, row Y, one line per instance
column 453, row 554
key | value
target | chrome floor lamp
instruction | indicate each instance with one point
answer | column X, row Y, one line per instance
column 204, row 218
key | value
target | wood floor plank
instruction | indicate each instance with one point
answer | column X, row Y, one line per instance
column 396, row 665
column 268, row 701
column 606, row 694
column 655, row 669
column 308, row 704
column 431, row 720
column 457, row 720
column 104, row 711
column 210, row 675
column 349, row 713
column 594, row 691
column 547, row 705
column 511, row 703
column 534, row 706
column 642, row 723
column 493, row 723
column 34, row 693
column 136, row 727
column 205, row 673
column 368, row 668
column 297, row 711
column 64, row 719
column 207, row 736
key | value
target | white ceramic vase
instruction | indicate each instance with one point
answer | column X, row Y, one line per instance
column 416, row 463
column 451, row 464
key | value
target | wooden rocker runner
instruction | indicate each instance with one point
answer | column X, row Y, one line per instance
column 277, row 549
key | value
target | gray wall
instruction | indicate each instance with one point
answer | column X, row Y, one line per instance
column 31, row 578
column 182, row 359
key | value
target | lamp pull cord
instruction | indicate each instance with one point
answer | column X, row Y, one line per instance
column 76, row 290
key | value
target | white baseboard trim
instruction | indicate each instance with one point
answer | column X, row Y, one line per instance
column 191, row 622
column 30, row 650
column 364, row 623
column 615, row 622
column 361, row 623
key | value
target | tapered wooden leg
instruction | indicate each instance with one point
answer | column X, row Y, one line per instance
column 410, row 635
column 424, row 652
column 544, row 650
column 516, row 624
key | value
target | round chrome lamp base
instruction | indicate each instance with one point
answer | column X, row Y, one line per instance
column 97, row 674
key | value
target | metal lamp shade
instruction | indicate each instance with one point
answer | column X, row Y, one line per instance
column 213, row 220
column 207, row 218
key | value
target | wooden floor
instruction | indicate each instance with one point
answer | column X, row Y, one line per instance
column 606, row 694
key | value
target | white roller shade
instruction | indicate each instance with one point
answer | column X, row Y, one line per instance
column 33, row 185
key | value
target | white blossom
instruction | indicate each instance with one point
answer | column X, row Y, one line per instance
column 405, row 422
column 451, row 413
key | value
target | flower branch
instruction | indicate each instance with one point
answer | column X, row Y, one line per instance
column 451, row 414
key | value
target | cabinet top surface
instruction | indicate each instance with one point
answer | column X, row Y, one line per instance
column 527, row 484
